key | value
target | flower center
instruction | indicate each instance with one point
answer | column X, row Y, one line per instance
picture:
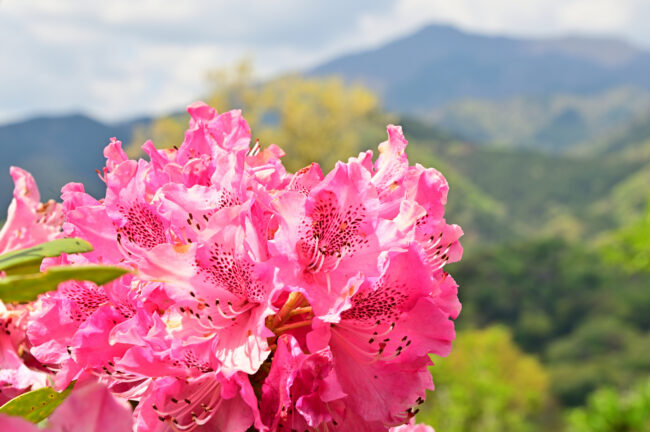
column 295, row 313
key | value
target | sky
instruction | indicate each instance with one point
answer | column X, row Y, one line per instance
column 119, row 59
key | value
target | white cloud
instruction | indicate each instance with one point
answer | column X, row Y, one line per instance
column 525, row 17
column 594, row 15
column 125, row 57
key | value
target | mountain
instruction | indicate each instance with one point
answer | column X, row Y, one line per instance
column 554, row 123
column 57, row 150
column 629, row 198
column 441, row 64
column 554, row 95
column 632, row 140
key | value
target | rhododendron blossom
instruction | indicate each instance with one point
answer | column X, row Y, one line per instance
column 258, row 298
column 29, row 222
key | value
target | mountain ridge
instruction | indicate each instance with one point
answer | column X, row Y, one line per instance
column 439, row 64
column 57, row 149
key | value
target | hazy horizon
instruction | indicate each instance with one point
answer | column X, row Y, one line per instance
column 113, row 63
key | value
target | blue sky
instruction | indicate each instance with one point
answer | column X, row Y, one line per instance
column 120, row 58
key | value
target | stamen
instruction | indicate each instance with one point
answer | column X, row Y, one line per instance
column 374, row 350
column 222, row 313
column 255, row 149
column 300, row 311
column 294, row 299
column 210, row 388
column 282, row 329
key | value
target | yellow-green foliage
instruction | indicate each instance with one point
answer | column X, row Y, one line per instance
column 165, row 132
column 487, row 384
column 317, row 119
column 312, row 119
column 630, row 247
column 609, row 411
column 36, row 405
column 23, row 281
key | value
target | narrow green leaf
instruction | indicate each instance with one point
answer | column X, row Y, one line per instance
column 29, row 260
column 36, row 405
column 21, row 288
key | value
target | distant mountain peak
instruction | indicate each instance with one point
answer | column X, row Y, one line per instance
column 434, row 29
column 439, row 64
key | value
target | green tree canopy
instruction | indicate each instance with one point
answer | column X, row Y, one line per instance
column 486, row 384
column 630, row 247
column 610, row 411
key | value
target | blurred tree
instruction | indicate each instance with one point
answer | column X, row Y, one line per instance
column 544, row 289
column 487, row 384
column 312, row 119
column 610, row 411
column 630, row 247
column 165, row 132
column 601, row 351
column 587, row 320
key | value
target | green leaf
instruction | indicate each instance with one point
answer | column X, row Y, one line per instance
column 21, row 288
column 36, row 405
column 29, row 260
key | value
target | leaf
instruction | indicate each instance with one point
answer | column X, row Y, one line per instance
column 21, row 288
column 36, row 405
column 29, row 260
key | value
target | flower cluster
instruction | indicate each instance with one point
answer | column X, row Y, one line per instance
column 259, row 298
column 29, row 223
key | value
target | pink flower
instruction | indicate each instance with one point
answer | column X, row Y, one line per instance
column 29, row 222
column 301, row 390
column 76, row 329
column 259, row 298
column 328, row 234
column 18, row 369
column 209, row 402
column 390, row 326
